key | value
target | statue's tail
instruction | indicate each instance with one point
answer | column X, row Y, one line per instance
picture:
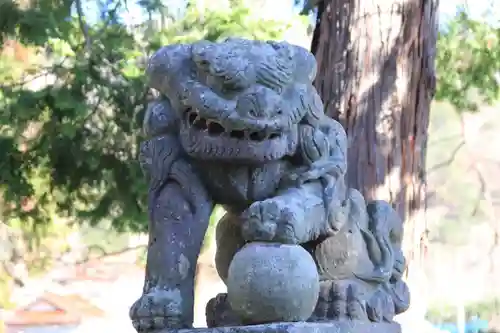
column 379, row 247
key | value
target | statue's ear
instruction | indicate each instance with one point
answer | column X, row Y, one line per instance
column 156, row 156
column 160, row 118
column 168, row 66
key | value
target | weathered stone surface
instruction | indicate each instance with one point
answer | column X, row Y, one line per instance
column 271, row 282
column 345, row 326
column 240, row 124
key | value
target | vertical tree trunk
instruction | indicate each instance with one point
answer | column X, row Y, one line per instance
column 376, row 76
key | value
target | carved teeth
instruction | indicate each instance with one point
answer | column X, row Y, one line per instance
column 200, row 123
column 214, row 128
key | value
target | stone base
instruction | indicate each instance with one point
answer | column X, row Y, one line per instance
column 347, row 326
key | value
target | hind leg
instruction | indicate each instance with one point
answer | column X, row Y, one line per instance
column 229, row 241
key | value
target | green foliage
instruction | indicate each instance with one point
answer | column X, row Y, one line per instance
column 71, row 116
column 468, row 62
column 218, row 25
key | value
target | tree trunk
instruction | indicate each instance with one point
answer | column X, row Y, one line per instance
column 376, row 76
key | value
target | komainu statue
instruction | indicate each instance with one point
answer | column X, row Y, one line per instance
column 239, row 123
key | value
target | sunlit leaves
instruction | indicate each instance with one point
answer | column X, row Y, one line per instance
column 70, row 121
column 60, row 47
column 468, row 63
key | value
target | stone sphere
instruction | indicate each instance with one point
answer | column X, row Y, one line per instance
column 270, row 282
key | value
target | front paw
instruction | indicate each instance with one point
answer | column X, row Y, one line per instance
column 271, row 220
column 157, row 310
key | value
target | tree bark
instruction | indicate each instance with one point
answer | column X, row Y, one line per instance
column 376, row 76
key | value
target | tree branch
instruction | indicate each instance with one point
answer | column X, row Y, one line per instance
column 10, row 271
column 482, row 189
column 450, row 160
column 444, row 140
column 484, row 192
column 83, row 25
column 14, row 255
column 486, row 195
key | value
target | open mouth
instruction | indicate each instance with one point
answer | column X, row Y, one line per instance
column 216, row 129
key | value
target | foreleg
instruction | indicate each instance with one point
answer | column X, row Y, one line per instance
column 179, row 213
column 295, row 215
column 229, row 240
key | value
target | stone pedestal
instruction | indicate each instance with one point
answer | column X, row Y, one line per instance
column 346, row 326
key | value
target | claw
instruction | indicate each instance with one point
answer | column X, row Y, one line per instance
column 257, row 227
column 269, row 220
column 156, row 311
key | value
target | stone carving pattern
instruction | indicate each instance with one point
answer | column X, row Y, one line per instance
column 240, row 124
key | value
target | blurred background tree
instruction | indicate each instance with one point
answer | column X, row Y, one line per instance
column 377, row 75
column 376, row 65
column 72, row 113
column 72, row 100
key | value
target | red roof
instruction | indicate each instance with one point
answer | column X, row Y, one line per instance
column 54, row 310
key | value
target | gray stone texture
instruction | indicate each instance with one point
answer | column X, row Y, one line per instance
column 345, row 326
column 239, row 123
column 271, row 282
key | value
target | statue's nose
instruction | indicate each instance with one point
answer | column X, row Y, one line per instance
column 260, row 104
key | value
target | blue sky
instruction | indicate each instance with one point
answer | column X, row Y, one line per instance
column 476, row 8
column 447, row 9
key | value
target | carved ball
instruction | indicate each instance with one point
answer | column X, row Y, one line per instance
column 270, row 282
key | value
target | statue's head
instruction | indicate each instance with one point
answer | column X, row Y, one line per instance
column 238, row 100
